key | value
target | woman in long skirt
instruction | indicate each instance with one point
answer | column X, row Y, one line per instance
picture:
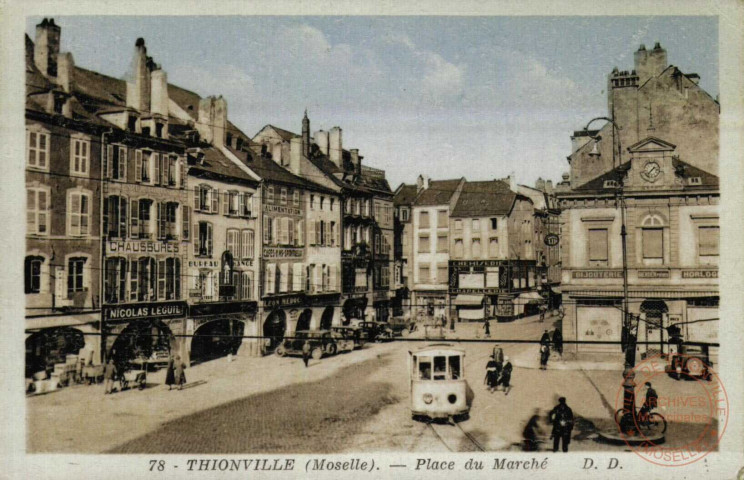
column 180, row 373
column 170, row 374
column 492, row 374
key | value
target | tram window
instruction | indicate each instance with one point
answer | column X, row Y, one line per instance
column 424, row 369
column 454, row 363
column 440, row 368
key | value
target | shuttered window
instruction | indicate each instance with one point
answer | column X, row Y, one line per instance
column 424, row 246
column 653, row 243
column 708, row 240
column 597, row 245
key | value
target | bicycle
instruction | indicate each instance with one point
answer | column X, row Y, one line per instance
column 653, row 423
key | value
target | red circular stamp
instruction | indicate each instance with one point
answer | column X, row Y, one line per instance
column 672, row 411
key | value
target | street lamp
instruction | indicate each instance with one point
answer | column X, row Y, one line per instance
column 628, row 332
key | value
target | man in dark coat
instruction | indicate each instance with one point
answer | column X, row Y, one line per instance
column 109, row 373
column 170, row 373
column 487, row 327
column 558, row 341
column 545, row 339
column 563, row 421
column 492, row 374
column 306, row 353
column 505, row 376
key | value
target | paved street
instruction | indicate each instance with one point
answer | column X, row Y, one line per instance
column 353, row 402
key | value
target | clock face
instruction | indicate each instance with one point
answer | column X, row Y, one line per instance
column 651, row 171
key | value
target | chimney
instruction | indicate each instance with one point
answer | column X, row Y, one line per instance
column 159, row 92
column 138, row 79
column 540, row 184
column 306, row 136
column 295, row 153
column 66, row 71
column 355, row 160
column 650, row 63
column 47, row 47
column 212, row 120
column 549, row 187
column 321, row 139
column 422, row 183
column 335, row 147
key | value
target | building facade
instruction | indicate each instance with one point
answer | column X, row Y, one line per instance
column 403, row 248
column 653, row 169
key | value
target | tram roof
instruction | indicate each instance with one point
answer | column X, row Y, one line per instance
column 439, row 349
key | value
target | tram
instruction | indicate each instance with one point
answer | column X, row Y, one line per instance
column 438, row 385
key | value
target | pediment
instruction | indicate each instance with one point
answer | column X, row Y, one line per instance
column 651, row 144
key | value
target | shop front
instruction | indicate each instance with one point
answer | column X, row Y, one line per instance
column 353, row 307
column 221, row 328
column 470, row 307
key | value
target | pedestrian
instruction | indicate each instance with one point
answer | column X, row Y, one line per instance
column 306, row 353
column 492, row 374
column 170, row 373
column 109, row 373
column 544, row 356
column 563, row 420
column 649, row 402
column 558, row 341
column 545, row 339
column 179, row 372
column 531, row 432
column 505, row 376
column 79, row 369
column 487, row 327
column 543, row 308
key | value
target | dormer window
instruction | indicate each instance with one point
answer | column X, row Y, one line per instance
column 146, row 131
column 59, row 103
column 611, row 184
column 229, row 139
column 695, row 181
column 159, row 130
column 132, row 123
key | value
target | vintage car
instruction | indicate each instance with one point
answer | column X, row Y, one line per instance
column 344, row 341
column 352, row 333
column 322, row 342
column 401, row 326
column 690, row 362
column 375, row 331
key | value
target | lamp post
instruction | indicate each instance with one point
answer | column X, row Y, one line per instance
column 628, row 330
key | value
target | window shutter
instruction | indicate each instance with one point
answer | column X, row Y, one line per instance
column 209, row 239
column 708, row 238
column 195, row 240
column 105, row 217
column 318, row 233
column 301, row 233
column 275, row 230
column 241, row 204
column 106, row 173
column 215, row 200
column 160, row 220
column 311, row 232
column 332, row 280
column 653, row 243
column 266, row 231
column 270, row 276
column 138, row 165
column 183, row 168
column 134, row 215
column 226, row 203
column 598, row 244
column 164, row 169
column 123, row 218
column 185, row 221
column 197, row 205
column 292, row 240
column 155, row 159
column 297, row 269
column 123, row 164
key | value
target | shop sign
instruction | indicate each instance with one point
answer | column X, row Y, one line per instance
column 478, row 291
column 133, row 311
column 281, row 209
column 284, row 301
column 597, row 274
column 699, row 273
column 282, row 252
column 204, row 264
column 476, row 263
column 140, row 246
column 653, row 273
column 551, row 240
column 323, row 299
column 222, row 308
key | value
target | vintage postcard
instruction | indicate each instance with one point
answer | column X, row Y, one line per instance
column 292, row 240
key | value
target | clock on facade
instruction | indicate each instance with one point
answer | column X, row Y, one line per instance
column 651, row 171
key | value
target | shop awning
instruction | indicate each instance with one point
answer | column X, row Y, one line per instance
column 468, row 300
column 529, row 297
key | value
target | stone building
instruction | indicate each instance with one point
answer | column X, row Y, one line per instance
column 656, row 168
column 403, row 248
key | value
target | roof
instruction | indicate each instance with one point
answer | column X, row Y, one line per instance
column 682, row 168
column 477, row 199
column 405, row 195
column 215, row 162
column 439, row 192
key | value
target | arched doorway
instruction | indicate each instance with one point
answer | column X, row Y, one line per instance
column 303, row 323
column 274, row 328
column 141, row 338
column 655, row 311
column 326, row 320
column 216, row 339
column 50, row 346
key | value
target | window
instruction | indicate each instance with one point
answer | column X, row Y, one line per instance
column 185, row 222
column 322, row 201
column 172, row 170
column 442, row 240
column 115, row 164
column 115, row 280
column 424, row 274
column 203, row 240
column 78, row 213
column 159, row 130
column 141, row 226
column 233, row 239
column 38, row 149
column 423, row 219
column 132, row 123
column 300, row 233
column 270, row 194
column 32, row 274
column 206, row 199
column 172, row 278
column 597, row 246
column 708, row 244
column 423, row 246
column 653, row 244
column 283, row 196
column 333, row 234
column 37, row 211
column 246, row 244
column 476, row 225
column 441, row 218
column 476, row 248
column 404, row 214
column 296, row 198
column 146, row 271
column 442, row 274
column 494, row 223
column 79, row 157
column 493, row 247
column 145, row 166
column 267, row 233
column 332, row 203
column 458, row 248
column 312, row 202
column 458, row 225
column 167, row 221
column 75, row 275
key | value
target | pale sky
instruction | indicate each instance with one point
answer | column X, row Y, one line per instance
column 480, row 97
